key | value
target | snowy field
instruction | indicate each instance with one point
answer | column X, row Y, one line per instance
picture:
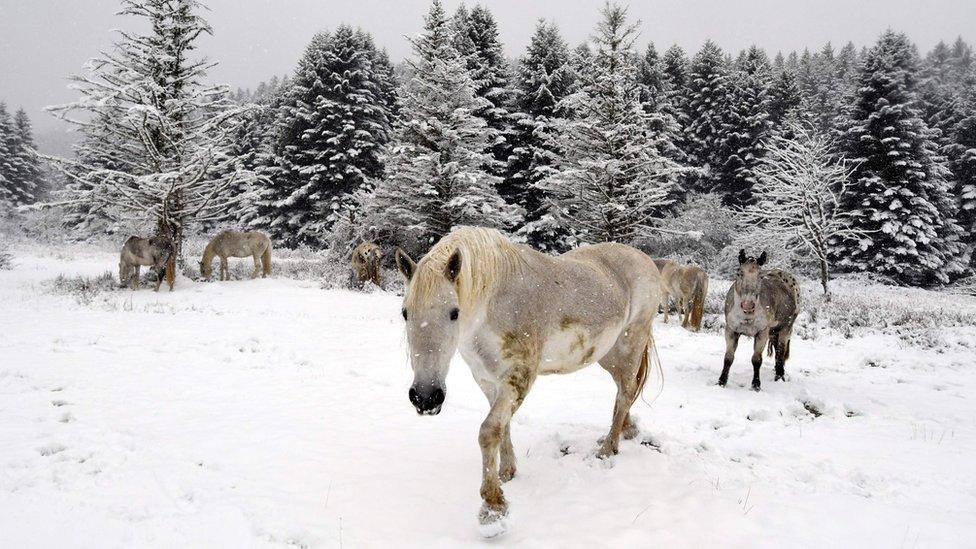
column 275, row 413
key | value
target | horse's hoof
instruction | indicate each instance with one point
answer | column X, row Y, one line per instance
column 756, row 386
column 780, row 377
column 722, row 381
column 492, row 520
column 630, row 433
column 506, row 473
column 606, row 452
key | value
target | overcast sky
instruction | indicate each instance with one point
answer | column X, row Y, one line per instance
column 41, row 41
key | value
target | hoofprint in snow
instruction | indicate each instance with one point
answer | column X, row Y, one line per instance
column 272, row 412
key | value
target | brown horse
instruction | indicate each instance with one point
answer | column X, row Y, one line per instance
column 764, row 305
column 237, row 244
column 156, row 252
column 366, row 261
column 688, row 285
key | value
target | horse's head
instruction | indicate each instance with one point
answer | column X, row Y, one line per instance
column 430, row 310
column 206, row 269
column 747, row 281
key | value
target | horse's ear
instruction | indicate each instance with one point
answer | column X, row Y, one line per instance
column 453, row 268
column 762, row 258
column 742, row 256
column 405, row 264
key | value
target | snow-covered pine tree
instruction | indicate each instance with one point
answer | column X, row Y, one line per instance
column 899, row 197
column 655, row 97
column 709, row 94
column 252, row 148
column 962, row 154
column 332, row 127
column 491, row 74
column 674, row 65
column 611, row 177
column 26, row 183
column 155, row 132
column 435, row 178
column 746, row 127
column 542, row 80
column 784, row 96
column 7, row 196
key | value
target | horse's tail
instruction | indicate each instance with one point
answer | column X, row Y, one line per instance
column 648, row 357
column 698, row 301
column 771, row 344
column 266, row 260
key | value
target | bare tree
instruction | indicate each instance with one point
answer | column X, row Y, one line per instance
column 799, row 185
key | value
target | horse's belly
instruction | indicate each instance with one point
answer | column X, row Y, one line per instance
column 569, row 350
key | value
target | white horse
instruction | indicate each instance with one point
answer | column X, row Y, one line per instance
column 515, row 313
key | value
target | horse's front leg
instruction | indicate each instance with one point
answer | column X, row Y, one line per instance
column 224, row 275
column 666, row 300
column 507, row 466
column 731, row 342
column 134, row 281
column 757, row 356
column 494, row 437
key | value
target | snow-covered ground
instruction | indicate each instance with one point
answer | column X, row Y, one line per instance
column 272, row 412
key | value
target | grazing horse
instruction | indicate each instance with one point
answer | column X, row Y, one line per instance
column 366, row 261
column 764, row 305
column 156, row 252
column 515, row 313
column 237, row 244
column 688, row 284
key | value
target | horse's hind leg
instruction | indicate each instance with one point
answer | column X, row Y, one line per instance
column 134, row 280
column 257, row 266
column 624, row 363
column 782, row 352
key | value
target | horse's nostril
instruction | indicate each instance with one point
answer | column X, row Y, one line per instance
column 414, row 396
column 437, row 398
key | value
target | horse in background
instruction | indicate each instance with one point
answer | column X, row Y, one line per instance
column 515, row 313
column 366, row 261
column 688, row 284
column 763, row 305
column 237, row 244
column 156, row 252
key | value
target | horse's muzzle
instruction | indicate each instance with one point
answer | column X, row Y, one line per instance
column 427, row 401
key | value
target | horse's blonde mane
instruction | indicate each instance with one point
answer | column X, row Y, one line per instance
column 486, row 257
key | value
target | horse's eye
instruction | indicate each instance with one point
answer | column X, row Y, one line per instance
column 454, row 313
column 404, row 313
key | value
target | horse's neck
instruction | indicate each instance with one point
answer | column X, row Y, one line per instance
column 209, row 252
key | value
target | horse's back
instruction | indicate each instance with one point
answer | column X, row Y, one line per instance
column 625, row 267
column 788, row 289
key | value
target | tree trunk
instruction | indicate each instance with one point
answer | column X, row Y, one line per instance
column 824, row 277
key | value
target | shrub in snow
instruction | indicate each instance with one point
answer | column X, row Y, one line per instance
column 6, row 260
column 85, row 288
column 699, row 231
